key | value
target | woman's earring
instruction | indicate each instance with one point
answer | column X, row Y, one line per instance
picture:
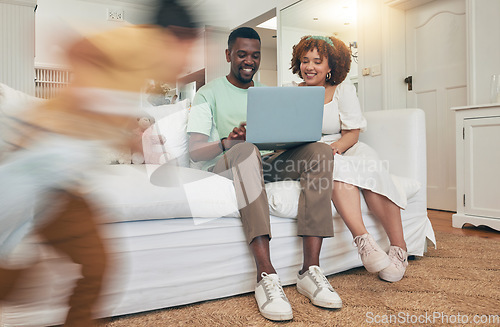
column 328, row 76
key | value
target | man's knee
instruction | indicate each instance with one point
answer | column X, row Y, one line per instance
column 318, row 154
column 319, row 158
column 244, row 153
column 321, row 150
column 245, row 149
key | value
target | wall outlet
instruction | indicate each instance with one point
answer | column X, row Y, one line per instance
column 116, row 15
column 375, row 70
column 365, row 71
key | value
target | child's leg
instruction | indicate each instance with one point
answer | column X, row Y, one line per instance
column 73, row 231
column 8, row 280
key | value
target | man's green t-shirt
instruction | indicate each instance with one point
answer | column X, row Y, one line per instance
column 217, row 108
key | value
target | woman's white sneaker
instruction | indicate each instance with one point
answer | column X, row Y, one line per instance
column 397, row 268
column 316, row 287
column 271, row 299
column 373, row 257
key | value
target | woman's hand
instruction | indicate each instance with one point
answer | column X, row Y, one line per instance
column 348, row 139
column 335, row 148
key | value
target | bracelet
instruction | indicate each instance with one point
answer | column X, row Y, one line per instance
column 222, row 143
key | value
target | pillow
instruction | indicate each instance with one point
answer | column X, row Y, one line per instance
column 13, row 102
column 171, row 122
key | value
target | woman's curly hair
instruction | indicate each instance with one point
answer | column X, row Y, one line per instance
column 339, row 57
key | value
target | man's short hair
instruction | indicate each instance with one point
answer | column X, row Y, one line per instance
column 243, row 32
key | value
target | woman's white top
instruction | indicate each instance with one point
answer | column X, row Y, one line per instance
column 344, row 111
column 360, row 164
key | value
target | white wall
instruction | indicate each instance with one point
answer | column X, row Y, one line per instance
column 268, row 67
column 244, row 11
column 58, row 22
column 17, row 34
column 231, row 13
column 484, row 47
column 370, row 49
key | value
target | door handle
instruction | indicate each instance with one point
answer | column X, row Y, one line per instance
column 409, row 81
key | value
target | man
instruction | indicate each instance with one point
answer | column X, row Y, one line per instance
column 217, row 133
column 52, row 149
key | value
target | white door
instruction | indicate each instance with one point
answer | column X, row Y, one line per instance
column 436, row 60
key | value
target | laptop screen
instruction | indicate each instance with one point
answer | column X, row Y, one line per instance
column 284, row 117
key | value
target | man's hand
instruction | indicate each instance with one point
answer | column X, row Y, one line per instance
column 237, row 135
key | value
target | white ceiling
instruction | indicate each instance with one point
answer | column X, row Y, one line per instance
column 267, row 37
column 327, row 17
column 324, row 17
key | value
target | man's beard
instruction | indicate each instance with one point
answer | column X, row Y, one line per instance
column 244, row 79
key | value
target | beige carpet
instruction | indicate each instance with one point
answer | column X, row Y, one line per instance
column 448, row 286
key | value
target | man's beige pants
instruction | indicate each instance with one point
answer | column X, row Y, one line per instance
column 310, row 164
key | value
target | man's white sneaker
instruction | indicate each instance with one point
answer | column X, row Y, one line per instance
column 271, row 299
column 373, row 257
column 316, row 287
column 397, row 268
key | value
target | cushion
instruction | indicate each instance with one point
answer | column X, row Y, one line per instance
column 125, row 193
column 171, row 122
column 13, row 102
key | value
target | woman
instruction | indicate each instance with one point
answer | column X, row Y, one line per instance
column 325, row 61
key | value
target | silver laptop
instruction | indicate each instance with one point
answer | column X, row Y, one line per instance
column 284, row 117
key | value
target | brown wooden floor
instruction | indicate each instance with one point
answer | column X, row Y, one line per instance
column 441, row 221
